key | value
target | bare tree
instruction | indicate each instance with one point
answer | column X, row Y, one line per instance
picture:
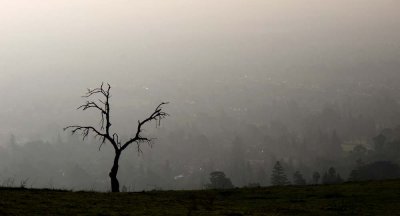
column 104, row 132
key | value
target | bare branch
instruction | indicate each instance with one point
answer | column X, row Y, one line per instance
column 104, row 133
column 105, row 123
column 105, row 110
column 85, row 130
column 156, row 116
column 116, row 139
column 105, row 91
column 91, row 104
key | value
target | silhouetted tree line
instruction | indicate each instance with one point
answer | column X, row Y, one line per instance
column 245, row 140
column 30, row 161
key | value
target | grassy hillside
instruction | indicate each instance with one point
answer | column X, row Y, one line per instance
column 366, row 198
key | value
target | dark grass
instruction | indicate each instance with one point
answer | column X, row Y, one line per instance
column 363, row 198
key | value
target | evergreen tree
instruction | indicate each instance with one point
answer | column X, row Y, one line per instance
column 278, row 175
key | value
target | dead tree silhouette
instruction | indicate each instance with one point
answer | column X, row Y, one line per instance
column 105, row 134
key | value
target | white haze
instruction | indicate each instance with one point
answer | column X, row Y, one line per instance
column 52, row 50
column 204, row 56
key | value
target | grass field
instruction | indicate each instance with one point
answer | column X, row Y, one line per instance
column 365, row 198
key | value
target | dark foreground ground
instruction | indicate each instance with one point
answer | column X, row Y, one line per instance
column 366, row 198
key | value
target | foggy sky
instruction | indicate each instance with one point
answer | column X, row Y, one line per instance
column 149, row 50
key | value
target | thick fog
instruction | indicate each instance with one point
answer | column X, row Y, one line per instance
column 250, row 82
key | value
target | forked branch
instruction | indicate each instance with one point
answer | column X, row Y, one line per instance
column 104, row 133
column 105, row 123
column 85, row 130
column 156, row 116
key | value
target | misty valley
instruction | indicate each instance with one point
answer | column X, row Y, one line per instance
column 273, row 139
column 295, row 136
column 201, row 107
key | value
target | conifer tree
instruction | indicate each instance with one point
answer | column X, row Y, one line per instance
column 278, row 175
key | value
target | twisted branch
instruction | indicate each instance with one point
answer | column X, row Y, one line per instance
column 105, row 123
column 156, row 116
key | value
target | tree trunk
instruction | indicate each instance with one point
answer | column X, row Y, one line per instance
column 113, row 173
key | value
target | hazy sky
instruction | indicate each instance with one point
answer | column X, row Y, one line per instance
column 50, row 46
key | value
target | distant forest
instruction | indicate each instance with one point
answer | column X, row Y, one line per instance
column 242, row 131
